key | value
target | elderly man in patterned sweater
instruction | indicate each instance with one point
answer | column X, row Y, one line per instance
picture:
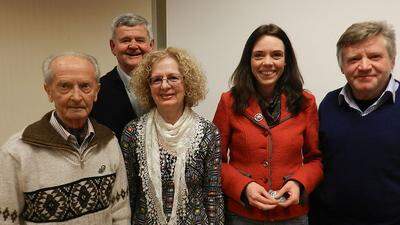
column 65, row 168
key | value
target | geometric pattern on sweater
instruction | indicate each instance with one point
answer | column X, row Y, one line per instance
column 72, row 200
column 6, row 214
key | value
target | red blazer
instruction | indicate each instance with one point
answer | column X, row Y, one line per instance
column 268, row 156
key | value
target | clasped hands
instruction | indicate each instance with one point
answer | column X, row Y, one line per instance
column 258, row 197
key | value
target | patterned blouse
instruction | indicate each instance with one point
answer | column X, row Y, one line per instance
column 167, row 161
column 203, row 176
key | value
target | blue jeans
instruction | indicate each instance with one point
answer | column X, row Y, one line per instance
column 232, row 219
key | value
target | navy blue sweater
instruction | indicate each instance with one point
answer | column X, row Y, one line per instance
column 361, row 157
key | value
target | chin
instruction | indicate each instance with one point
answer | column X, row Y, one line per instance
column 267, row 84
column 167, row 105
column 134, row 62
column 366, row 86
column 78, row 116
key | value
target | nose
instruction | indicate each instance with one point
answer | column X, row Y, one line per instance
column 267, row 61
column 165, row 84
column 364, row 65
column 76, row 94
column 133, row 44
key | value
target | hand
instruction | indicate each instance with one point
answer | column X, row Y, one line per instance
column 259, row 197
column 292, row 188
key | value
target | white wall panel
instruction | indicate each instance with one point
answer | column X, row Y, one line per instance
column 215, row 31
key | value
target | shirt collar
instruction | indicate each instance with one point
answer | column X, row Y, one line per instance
column 346, row 96
column 63, row 132
column 124, row 76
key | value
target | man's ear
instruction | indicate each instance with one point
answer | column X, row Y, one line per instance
column 48, row 91
column 96, row 91
column 393, row 61
column 152, row 44
column 112, row 46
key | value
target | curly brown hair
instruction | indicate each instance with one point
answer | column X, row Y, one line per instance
column 194, row 79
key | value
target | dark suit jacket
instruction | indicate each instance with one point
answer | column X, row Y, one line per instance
column 113, row 107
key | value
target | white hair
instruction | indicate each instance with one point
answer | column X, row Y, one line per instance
column 130, row 20
column 48, row 73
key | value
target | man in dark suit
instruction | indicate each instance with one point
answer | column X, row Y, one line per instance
column 116, row 104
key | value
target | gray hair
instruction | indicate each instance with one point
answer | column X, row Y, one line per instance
column 130, row 20
column 48, row 72
column 358, row 32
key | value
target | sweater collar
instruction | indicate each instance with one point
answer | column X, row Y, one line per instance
column 43, row 134
column 345, row 96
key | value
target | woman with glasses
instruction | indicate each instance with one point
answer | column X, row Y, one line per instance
column 269, row 123
column 172, row 154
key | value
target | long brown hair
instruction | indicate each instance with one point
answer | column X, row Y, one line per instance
column 290, row 83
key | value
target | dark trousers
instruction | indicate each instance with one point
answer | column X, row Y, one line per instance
column 232, row 219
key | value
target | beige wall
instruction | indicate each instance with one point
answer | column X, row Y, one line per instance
column 33, row 29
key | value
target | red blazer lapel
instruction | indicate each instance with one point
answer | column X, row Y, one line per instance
column 285, row 114
column 253, row 113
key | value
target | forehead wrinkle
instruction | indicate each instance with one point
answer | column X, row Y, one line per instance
column 368, row 43
column 137, row 31
column 72, row 64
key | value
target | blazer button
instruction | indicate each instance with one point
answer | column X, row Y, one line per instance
column 266, row 163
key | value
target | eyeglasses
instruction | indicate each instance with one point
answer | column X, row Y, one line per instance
column 172, row 80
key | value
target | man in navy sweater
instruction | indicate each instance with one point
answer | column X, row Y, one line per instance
column 360, row 134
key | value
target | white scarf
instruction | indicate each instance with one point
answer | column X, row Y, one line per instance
column 177, row 137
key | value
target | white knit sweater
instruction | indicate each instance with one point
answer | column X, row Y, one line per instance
column 44, row 180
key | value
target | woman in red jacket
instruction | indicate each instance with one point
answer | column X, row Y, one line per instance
column 270, row 126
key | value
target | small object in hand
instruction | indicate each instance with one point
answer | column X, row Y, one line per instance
column 274, row 194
